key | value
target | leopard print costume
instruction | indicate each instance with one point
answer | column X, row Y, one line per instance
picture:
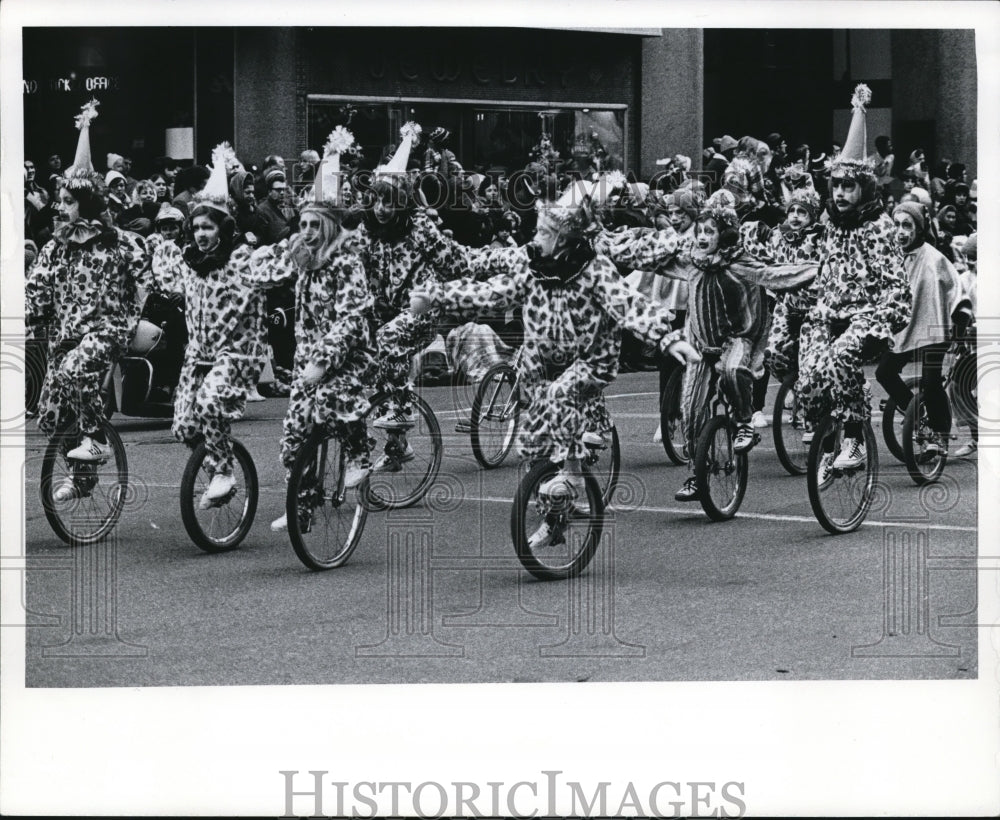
column 82, row 294
column 393, row 269
column 862, row 292
column 225, row 316
column 779, row 246
column 333, row 308
column 572, row 340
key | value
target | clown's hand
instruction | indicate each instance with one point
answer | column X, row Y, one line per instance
column 683, row 352
column 312, row 373
column 421, row 300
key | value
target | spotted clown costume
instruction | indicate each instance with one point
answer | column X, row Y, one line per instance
column 783, row 245
column 422, row 254
column 572, row 339
column 81, row 293
column 333, row 331
column 225, row 316
column 861, row 292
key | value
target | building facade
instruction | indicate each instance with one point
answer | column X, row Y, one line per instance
column 637, row 94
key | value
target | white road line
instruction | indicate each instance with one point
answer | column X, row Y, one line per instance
column 801, row 519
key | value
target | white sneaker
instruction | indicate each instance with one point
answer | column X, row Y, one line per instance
column 356, row 471
column 90, row 450
column 967, row 449
column 759, row 420
column 564, row 484
column 394, row 421
column 64, row 491
column 280, row 524
column 254, row 395
column 824, row 473
column 592, row 439
column 220, row 486
column 807, row 437
column 852, row 454
column 658, row 435
column 789, row 400
column 542, row 537
column 745, row 439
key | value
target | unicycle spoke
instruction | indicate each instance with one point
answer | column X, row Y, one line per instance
column 721, row 472
column 223, row 523
column 555, row 536
column 325, row 519
column 840, row 498
column 407, row 461
column 495, row 416
column 83, row 500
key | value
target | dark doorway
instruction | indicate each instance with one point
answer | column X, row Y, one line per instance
column 759, row 81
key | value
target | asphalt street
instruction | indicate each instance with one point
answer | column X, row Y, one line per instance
column 436, row 594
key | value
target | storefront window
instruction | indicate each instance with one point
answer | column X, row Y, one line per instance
column 486, row 138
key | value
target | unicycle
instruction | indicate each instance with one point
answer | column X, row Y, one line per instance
column 407, row 459
column 496, row 413
column 325, row 519
column 219, row 525
column 789, row 426
column 97, row 490
column 840, row 498
column 721, row 472
column 671, row 426
column 555, row 537
column 604, row 460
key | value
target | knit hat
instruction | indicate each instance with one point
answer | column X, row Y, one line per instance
column 111, row 176
column 215, row 194
column 807, row 198
column 439, row 135
column 408, row 135
column 81, row 174
column 271, row 175
column 168, row 213
column 916, row 211
column 114, row 159
column 852, row 162
column 727, row 143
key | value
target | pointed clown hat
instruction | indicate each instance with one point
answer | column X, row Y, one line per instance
column 408, row 136
column 82, row 174
column 327, row 189
column 215, row 194
column 853, row 162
